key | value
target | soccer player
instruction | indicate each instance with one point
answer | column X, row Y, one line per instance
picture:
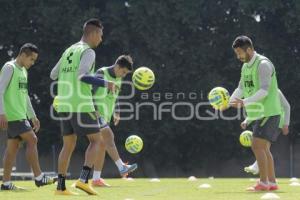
column 258, row 87
column 74, row 72
column 285, row 119
column 105, row 103
column 15, row 110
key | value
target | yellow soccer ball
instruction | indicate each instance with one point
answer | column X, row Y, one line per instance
column 134, row 144
column 55, row 103
column 219, row 98
column 143, row 78
column 246, row 138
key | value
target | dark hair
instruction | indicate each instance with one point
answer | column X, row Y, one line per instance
column 93, row 22
column 243, row 42
column 125, row 61
column 28, row 49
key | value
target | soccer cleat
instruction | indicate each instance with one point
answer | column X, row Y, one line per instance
column 253, row 169
column 85, row 187
column 11, row 187
column 128, row 169
column 65, row 192
column 100, row 183
column 273, row 187
column 46, row 180
column 258, row 187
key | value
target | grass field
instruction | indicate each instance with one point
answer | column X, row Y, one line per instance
column 139, row 189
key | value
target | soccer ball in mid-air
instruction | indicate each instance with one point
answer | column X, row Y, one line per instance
column 219, row 98
column 143, row 78
column 134, row 144
column 246, row 138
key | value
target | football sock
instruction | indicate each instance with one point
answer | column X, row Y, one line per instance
column 85, row 173
column 119, row 164
column 61, row 182
column 96, row 175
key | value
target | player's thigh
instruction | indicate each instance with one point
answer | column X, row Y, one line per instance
column 85, row 124
column 66, row 128
column 102, row 141
column 16, row 128
column 259, row 143
column 94, row 138
column 107, row 134
column 267, row 128
column 29, row 137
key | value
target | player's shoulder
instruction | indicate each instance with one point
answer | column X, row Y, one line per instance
column 89, row 52
column 263, row 59
column 8, row 66
column 265, row 62
column 9, row 63
column 101, row 70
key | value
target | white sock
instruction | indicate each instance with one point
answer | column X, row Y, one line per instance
column 7, row 183
column 119, row 164
column 96, row 175
column 38, row 178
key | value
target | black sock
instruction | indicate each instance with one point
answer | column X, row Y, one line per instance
column 85, row 173
column 61, row 182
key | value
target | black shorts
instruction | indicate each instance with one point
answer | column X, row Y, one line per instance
column 79, row 123
column 267, row 128
column 16, row 128
column 103, row 123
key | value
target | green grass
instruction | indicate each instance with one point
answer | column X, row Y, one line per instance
column 175, row 189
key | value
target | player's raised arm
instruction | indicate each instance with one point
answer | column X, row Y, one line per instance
column 86, row 62
column 238, row 92
column 236, row 95
column 265, row 72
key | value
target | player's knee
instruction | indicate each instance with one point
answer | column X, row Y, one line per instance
column 268, row 151
column 96, row 141
column 32, row 141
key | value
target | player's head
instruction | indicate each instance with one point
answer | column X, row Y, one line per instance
column 93, row 31
column 123, row 66
column 28, row 54
column 243, row 48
